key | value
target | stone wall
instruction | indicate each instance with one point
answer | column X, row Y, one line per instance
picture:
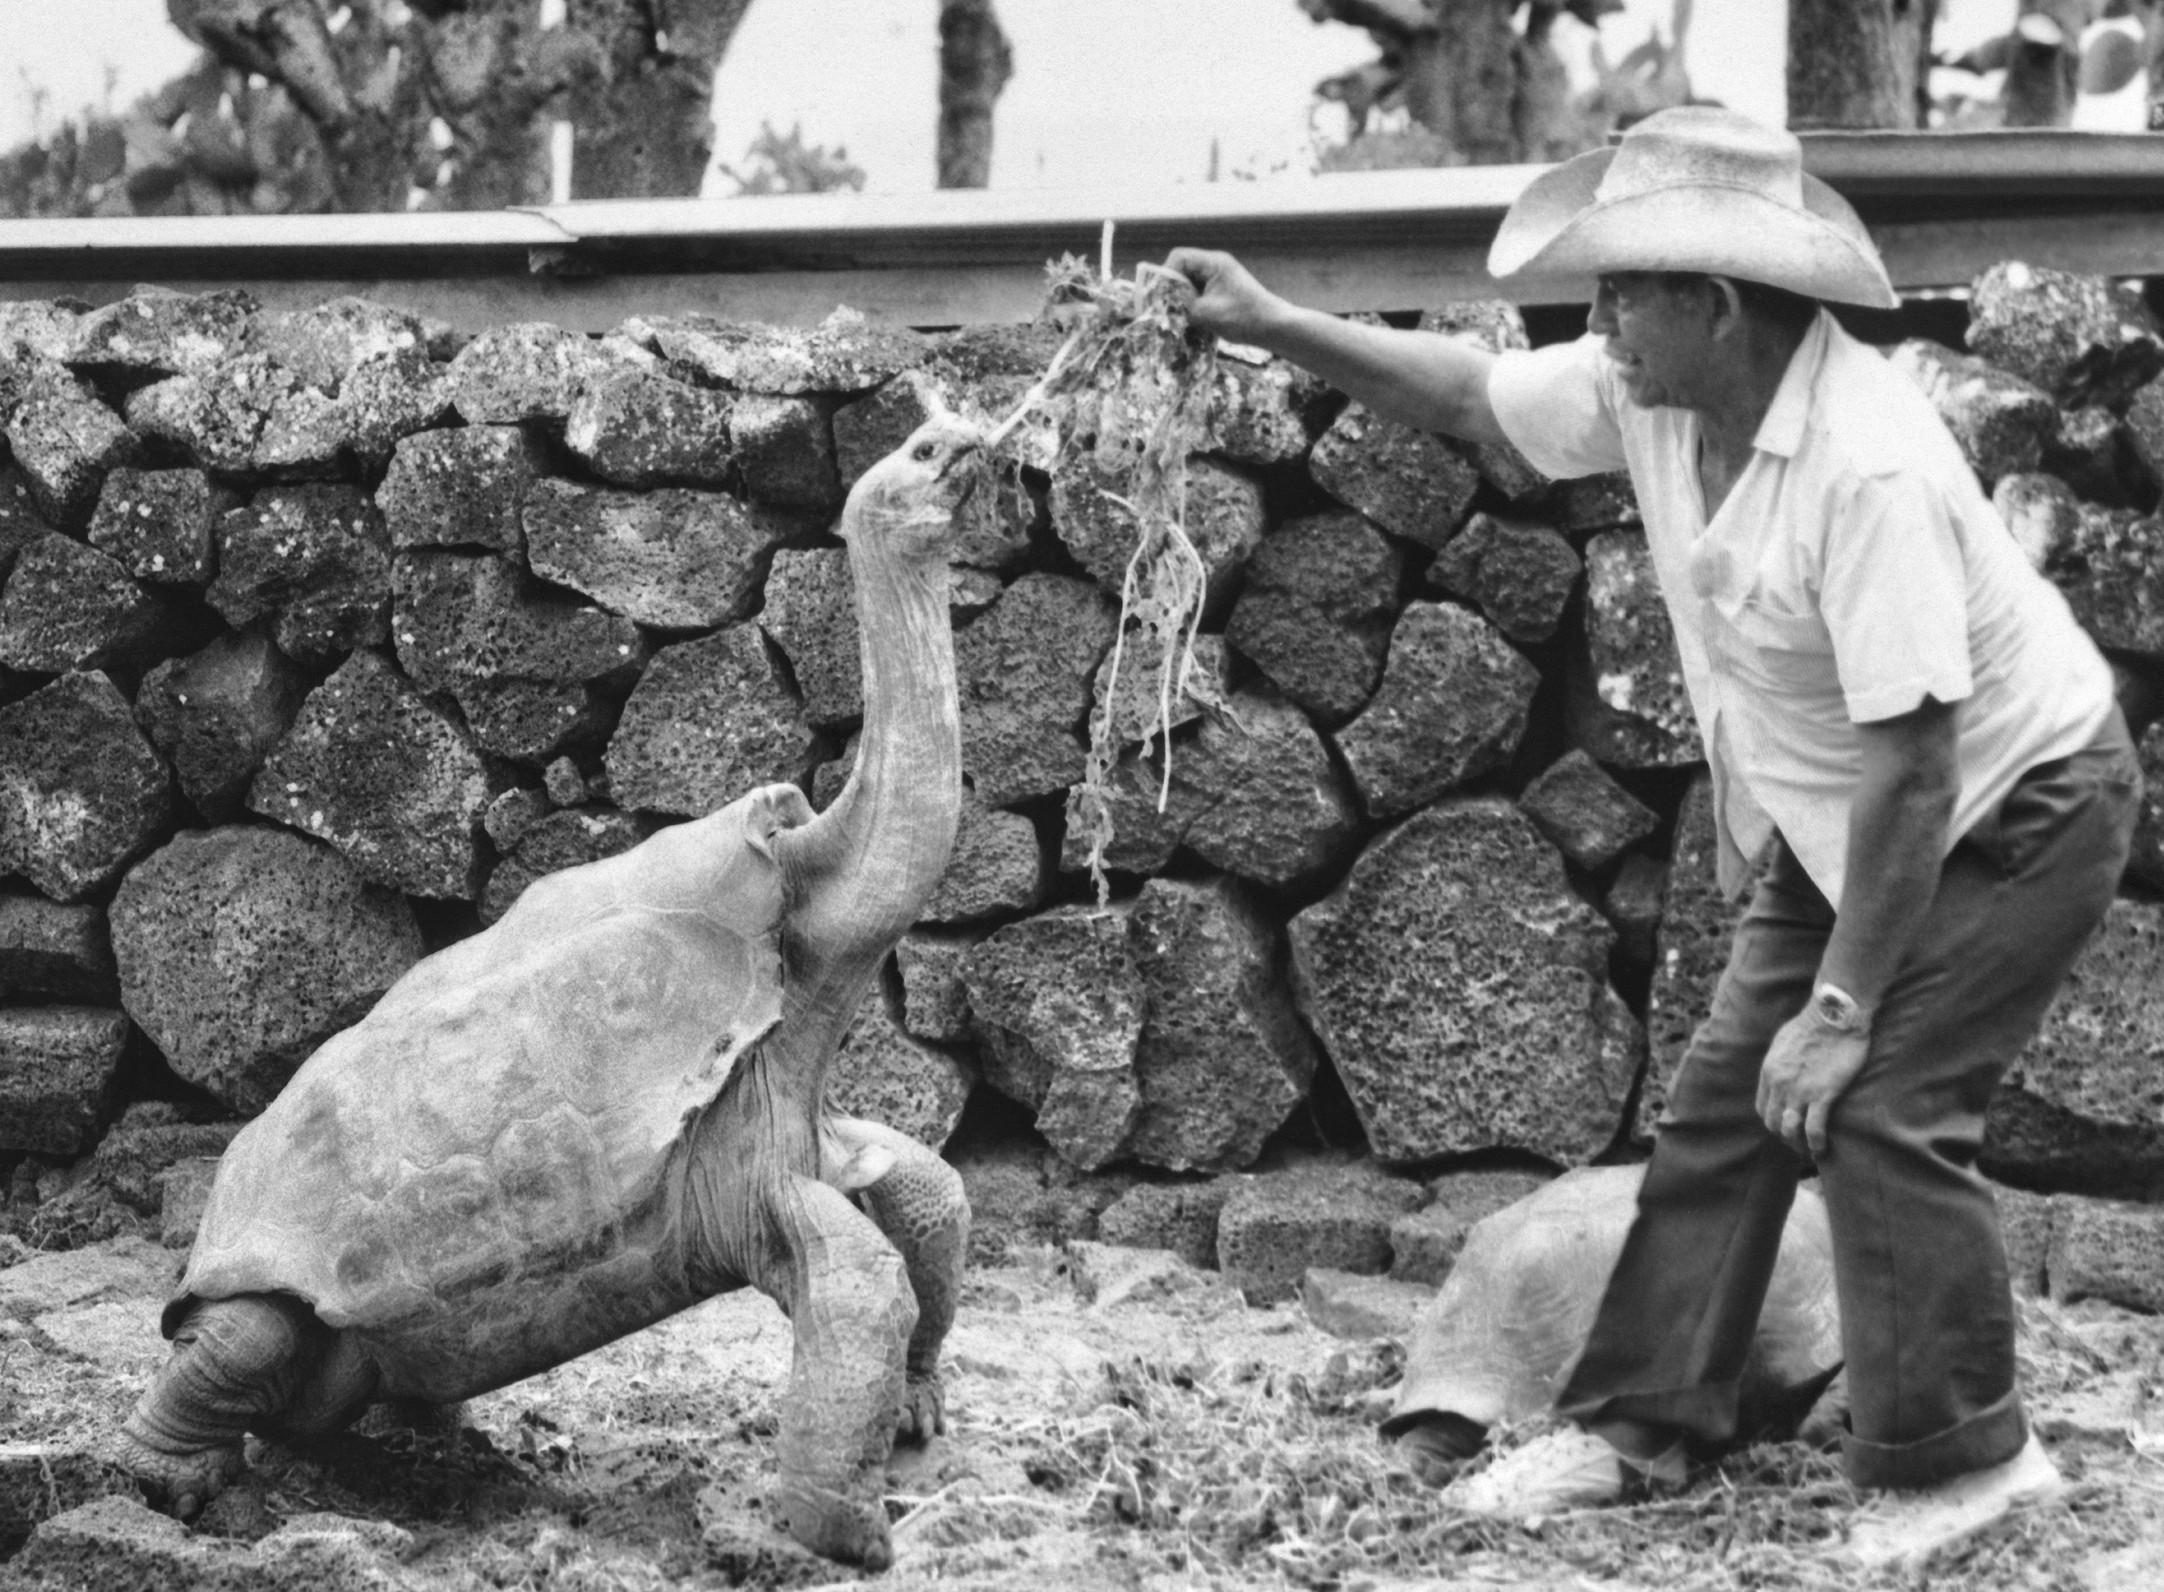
column 324, row 634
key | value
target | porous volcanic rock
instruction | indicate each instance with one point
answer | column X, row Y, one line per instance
column 64, row 441
column 159, row 524
column 885, row 1075
column 1999, row 420
column 1633, row 905
column 1592, row 503
column 81, row 791
column 707, row 721
column 42, row 328
column 2093, row 452
column 312, row 560
column 216, row 714
column 784, row 450
column 1472, row 1195
column 2083, row 1108
column 1057, row 1003
column 1222, row 1059
column 869, row 428
column 1275, row 1225
column 2111, row 569
column 149, row 1137
column 68, row 606
column 552, row 842
column 242, row 949
column 2145, row 861
column 1588, row 816
column 565, row 784
column 1424, row 1245
column 1520, row 573
column 1254, row 792
column 1629, row 708
column 462, row 487
column 218, row 417
column 1347, row 1305
column 1224, row 520
column 845, row 353
column 57, row 1065
column 513, row 812
column 935, row 1001
column 2143, row 437
column 1697, row 928
column 21, row 521
column 531, row 371
column 1414, row 483
column 1462, row 990
column 2083, row 339
column 1452, row 705
column 677, row 559
column 153, row 332
column 55, row 951
column 1181, row 1217
column 997, row 870
column 372, row 768
column 811, row 614
column 2041, row 513
column 640, row 428
column 1025, row 1196
column 1259, row 412
column 326, row 343
column 1143, row 689
column 2107, row 1249
column 1316, row 611
column 1025, row 670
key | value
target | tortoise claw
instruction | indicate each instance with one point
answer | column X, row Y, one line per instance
column 924, row 1410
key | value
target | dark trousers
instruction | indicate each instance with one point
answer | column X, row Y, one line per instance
column 1927, row 1318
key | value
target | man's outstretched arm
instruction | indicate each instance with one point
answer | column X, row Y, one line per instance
column 1415, row 378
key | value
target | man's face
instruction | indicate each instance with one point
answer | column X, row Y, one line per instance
column 1660, row 336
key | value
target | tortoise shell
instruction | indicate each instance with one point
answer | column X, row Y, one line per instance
column 480, row 1178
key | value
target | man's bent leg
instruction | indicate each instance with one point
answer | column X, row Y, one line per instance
column 1666, row 1353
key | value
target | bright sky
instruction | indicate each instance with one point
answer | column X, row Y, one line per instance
column 1103, row 92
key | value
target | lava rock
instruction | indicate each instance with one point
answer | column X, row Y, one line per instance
column 2111, row 570
column 1222, row 1059
column 1023, row 1196
column 1633, row 905
column 552, row 842
column 2083, row 339
column 242, row 949
column 1697, row 930
column 218, row 417
column 2092, row 452
column 1254, row 793
column 148, row 1139
column 464, row 487
column 81, row 792
column 1413, row 483
column 388, row 780
column 676, row 559
column 1259, row 412
column 531, row 371
column 883, row 1074
column 1588, row 816
column 2146, row 861
column 58, row 952
column 565, row 784
column 57, row 1065
column 639, row 428
column 312, row 560
column 507, row 819
column 869, row 428
column 1474, row 1195
column 326, row 343
column 1452, row 705
column 1462, row 990
column 708, row 720
column 1025, row 669
column 2041, row 513
column 1347, row 1305
column 1316, row 611
column 1999, row 420
column 811, row 614
column 21, row 521
column 184, row 1194
column 159, row 524
column 935, row 1000
column 42, row 328
column 1520, row 573
column 1058, row 1004
column 158, row 333
column 784, row 451
column 1179, row 1217
column 1224, row 520
column 2143, row 437
column 216, row 714
column 2107, row 1249
column 64, row 441
column 845, row 353
column 1425, row 1244
column 1592, row 503
column 1275, row 1225
column 1142, row 688
column 1629, row 707
column 68, row 606
column 997, row 869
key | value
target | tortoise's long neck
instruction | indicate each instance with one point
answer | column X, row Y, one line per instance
column 861, row 872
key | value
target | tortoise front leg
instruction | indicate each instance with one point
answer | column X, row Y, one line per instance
column 843, row 1286
column 918, row 1201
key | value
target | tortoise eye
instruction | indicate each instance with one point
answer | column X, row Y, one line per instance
column 924, row 451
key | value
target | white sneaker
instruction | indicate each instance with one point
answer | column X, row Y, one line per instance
column 1570, row 1469
column 1905, row 1528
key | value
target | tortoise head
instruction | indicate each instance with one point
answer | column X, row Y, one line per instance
column 908, row 501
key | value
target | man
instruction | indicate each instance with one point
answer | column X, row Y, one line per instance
column 1905, row 727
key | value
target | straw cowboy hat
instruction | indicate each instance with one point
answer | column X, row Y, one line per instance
column 1696, row 188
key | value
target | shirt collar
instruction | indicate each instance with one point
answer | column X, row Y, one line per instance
column 1781, row 432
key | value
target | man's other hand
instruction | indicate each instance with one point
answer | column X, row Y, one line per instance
column 1808, row 1067
column 1228, row 299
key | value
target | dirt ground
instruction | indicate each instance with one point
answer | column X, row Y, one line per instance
column 1162, row 1435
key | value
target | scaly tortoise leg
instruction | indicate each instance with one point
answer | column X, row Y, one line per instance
column 844, row 1288
column 918, row 1201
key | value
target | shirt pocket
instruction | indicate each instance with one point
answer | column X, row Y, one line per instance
column 1793, row 651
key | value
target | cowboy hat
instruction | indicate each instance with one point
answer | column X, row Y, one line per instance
column 1696, row 188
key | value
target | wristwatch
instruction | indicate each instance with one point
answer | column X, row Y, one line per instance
column 1838, row 1011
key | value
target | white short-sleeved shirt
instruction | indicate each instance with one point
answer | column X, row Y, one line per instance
column 1854, row 569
